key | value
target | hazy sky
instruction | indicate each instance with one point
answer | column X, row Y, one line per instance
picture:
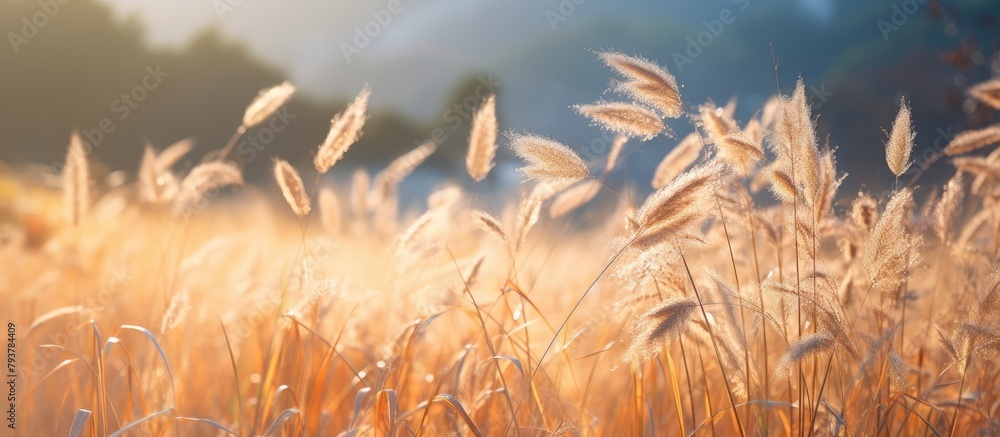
column 446, row 39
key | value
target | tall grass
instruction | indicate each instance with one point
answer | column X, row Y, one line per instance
column 746, row 295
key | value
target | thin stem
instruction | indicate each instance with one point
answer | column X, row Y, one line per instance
column 715, row 345
column 232, row 142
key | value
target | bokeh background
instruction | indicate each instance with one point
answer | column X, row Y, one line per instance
column 66, row 64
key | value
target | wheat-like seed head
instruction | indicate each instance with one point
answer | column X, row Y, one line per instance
column 203, row 179
column 793, row 140
column 987, row 92
column 683, row 155
column 490, row 224
column 739, row 151
column 616, row 149
column 658, row 325
column 292, row 187
column 548, row 160
column 671, row 213
column 805, row 347
column 482, row 140
column 891, row 253
column 387, row 180
column 969, row 141
column 178, row 309
column 864, row 212
column 268, row 101
column 980, row 185
column 345, row 130
column 715, row 122
column 173, row 153
column 829, row 183
column 625, row 118
column 646, row 82
column 900, row 143
column 574, row 197
column 781, row 183
column 979, row 166
column 76, row 181
column 947, row 209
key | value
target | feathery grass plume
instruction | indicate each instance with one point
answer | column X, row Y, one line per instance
column 345, row 130
column 864, row 212
column 715, row 122
column 987, row 92
column 804, row 347
column 647, row 82
column 660, row 324
column 292, row 187
column 176, row 311
column 473, row 275
column 173, row 153
column 769, row 113
column 268, row 101
column 988, row 303
column 683, row 155
column 979, row 184
column 203, row 179
column 360, row 182
column 672, row 212
column 947, row 209
column 548, row 160
column 625, row 118
column 892, row 251
column 971, row 140
column 387, row 180
column 829, row 183
column 156, row 185
column 76, row 181
column 574, row 197
column 793, row 139
column 411, row 232
column 490, row 224
column 329, row 210
column 528, row 210
column 781, row 184
column 979, row 166
column 739, row 151
column 754, row 130
column 482, row 140
column 616, row 149
column 900, row 143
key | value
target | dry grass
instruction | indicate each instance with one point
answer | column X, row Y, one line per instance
column 157, row 308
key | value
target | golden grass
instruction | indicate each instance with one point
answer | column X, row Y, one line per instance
column 707, row 308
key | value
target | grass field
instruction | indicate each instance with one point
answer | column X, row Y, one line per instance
column 746, row 295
